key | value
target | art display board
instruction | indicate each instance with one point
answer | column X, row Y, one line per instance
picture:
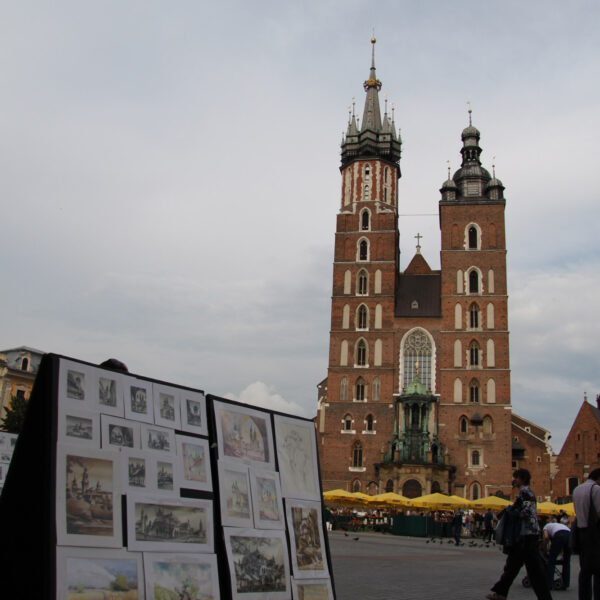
column 137, row 488
column 7, row 446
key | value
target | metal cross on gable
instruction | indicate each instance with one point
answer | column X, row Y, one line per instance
column 418, row 236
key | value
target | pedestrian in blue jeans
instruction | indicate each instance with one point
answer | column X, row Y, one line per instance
column 556, row 538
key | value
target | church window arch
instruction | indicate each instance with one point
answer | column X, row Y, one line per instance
column 459, row 282
column 359, row 390
column 378, row 281
column 377, row 353
column 490, row 316
column 344, row 389
column 488, row 425
column 367, row 172
column 365, row 219
column 369, row 422
column 491, row 284
column 347, row 422
column 473, row 236
column 376, row 389
column 475, row 458
column 457, row 353
column 344, row 353
column 491, row 353
column 474, row 354
column 474, row 391
column 491, row 391
column 346, row 316
column 457, row 390
column 363, row 250
column 474, row 317
column 474, row 280
column 463, row 425
column 378, row 316
column 366, row 191
column 458, row 316
column 361, row 356
column 347, row 281
column 357, row 455
column 356, row 486
column 417, row 353
column 362, row 317
column 24, row 364
column 362, row 283
column 389, row 485
column 475, row 491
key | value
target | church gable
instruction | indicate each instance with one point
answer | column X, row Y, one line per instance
column 419, row 295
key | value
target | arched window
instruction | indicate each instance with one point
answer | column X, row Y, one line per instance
column 362, row 283
column 474, row 391
column 474, row 281
column 464, row 425
column 347, row 281
column 474, row 354
column 475, row 458
column 344, row 389
column 389, row 486
column 366, row 191
column 346, row 316
column 362, row 317
column 367, row 172
column 24, row 364
column 361, row 353
column 348, row 422
column 365, row 221
column 474, row 316
column 376, row 389
column 363, row 250
column 357, row 455
column 360, row 389
column 475, row 491
column 473, row 237
column 487, row 425
column 369, row 423
column 417, row 349
column 356, row 485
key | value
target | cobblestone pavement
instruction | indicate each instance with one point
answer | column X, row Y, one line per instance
column 388, row 567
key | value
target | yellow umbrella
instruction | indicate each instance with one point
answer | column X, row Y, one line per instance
column 493, row 502
column 461, row 501
column 568, row 508
column 361, row 498
column 390, row 499
column 438, row 500
column 338, row 497
column 548, row 508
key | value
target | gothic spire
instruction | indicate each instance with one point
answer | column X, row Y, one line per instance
column 371, row 115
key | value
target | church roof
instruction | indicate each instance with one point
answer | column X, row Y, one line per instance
column 419, row 295
column 418, row 266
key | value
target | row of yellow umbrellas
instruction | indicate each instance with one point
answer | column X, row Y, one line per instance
column 434, row 501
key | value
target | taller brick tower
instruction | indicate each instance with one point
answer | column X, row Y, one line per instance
column 417, row 396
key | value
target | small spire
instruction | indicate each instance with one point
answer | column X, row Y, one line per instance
column 448, row 169
column 585, row 396
column 470, row 111
column 418, row 236
column 494, row 167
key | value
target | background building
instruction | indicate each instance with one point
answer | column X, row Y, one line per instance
column 417, row 396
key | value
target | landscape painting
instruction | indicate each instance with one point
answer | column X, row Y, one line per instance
column 297, row 456
column 193, row 462
column 158, row 439
column 98, row 574
column 234, row 485
column 306, row 538
column 313, row 589
column 88, row 498
column 266, row 500
column 79, row 427
column 159, row 524
column 244, row 434
column 119, row 433
column 257, row 563
column 181, row 576
column 166, row 406
column 193, row 412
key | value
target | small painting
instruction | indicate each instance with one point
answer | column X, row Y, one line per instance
column 193, row 463
column 119, row 433
column 305, row 526
column 266, row 499
column 165, row 475
column 158, row 439
column 167, row 411
column 96, row 574
column 74, row 384
column 79, row 427
column 234, row 485
column 108, row 393
column 139, row 403
column 88, row 511
column 258, row 564
column 181, row 576
column 311, row 589
column 178, row 524
column 193, row 412
column 135, row 470
column 297, row 456
column 244, row 434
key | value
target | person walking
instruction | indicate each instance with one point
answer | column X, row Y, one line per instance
column 556, row 539
column 522, row 547
column 586, row 499
column 488, row 524
column 457, row 522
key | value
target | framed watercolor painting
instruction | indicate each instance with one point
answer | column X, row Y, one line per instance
column 193, row 463
column 251, row 552
column 193, row 412
column 139, row 405
column 88, row 497
column 167, row 410
column 75, row 384
column 107, row 393
column 266, row 500
column 79, row 427
column 244, row 434
column 234, row 487
column 297, row 456
column 305, row 527
column 119, row 433
column 311, row 589
column 170, row 575
column 159, row 524
column 158, row 439
column 98, row 573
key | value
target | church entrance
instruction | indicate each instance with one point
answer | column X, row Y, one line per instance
column 412, row 489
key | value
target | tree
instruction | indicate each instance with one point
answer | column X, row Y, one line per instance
column 15, row 415
column 120, row 583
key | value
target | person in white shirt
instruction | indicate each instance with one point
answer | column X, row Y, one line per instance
column 556, row 538
column 586, row 499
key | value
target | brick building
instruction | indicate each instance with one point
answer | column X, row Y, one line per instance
column 580, row 452
column 417, row 395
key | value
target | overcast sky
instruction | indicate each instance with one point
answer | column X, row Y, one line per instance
column 169, row 179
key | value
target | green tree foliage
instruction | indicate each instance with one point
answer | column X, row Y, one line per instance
column 15, row 415
column 120, row 583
